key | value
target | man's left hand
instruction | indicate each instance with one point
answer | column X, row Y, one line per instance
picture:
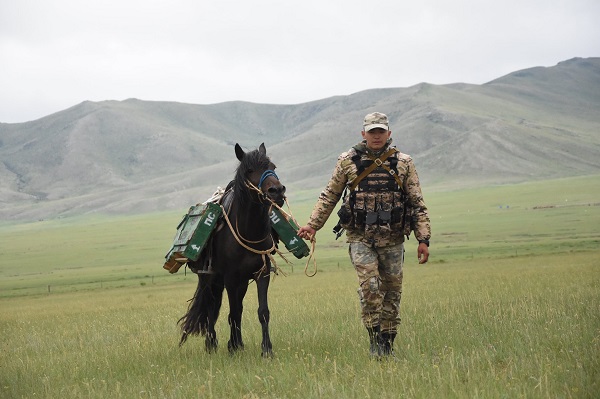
column 423, row 253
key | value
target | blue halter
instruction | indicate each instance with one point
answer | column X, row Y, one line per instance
column 266, row 174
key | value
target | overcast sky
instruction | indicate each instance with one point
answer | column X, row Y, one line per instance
column 57, row 53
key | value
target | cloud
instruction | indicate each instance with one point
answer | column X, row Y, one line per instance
column 57, row 54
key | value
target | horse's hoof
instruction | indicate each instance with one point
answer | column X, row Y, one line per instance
column 235, row 348
column 267, row 354
column 211, row 345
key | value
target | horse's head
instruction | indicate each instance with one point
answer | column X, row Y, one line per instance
column 256, row 168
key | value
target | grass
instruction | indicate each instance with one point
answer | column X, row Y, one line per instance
column 469, row 330
column 508, row 307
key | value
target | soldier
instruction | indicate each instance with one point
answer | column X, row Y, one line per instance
column 382, row 202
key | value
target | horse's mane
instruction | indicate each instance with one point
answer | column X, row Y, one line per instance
column 251, row 162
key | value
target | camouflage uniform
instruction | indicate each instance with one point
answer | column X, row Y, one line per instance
column 376, row 246
column 379, row 273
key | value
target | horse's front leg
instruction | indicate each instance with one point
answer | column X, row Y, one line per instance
column 236, row 295
column 262, row 285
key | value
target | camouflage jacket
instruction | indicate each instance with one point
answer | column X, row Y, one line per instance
column 378, row 234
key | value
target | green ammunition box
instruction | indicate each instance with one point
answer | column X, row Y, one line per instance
column 287, row 230
column 192, row 235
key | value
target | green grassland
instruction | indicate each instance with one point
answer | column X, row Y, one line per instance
column 509, row 306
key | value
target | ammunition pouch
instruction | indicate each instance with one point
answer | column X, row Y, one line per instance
column 360, row 217
column 384, row 217
column 345, row 216
column 356, row 213
column 380, row 217
column 397, row 214
column 410, row 221
column 371, row 218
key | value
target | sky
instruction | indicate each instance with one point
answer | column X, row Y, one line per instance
column 55, row 54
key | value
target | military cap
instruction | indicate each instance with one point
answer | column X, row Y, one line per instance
column 376, row 120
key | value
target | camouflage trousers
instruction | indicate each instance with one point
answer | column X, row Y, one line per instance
column 379, row 273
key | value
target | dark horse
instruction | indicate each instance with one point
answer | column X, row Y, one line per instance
column 239, row 252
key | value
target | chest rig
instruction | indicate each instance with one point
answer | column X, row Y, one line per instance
column 375, row 200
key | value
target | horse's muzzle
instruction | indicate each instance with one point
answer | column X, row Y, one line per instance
column 276, row 193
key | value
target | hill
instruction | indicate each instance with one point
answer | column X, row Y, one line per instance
column 140, row 156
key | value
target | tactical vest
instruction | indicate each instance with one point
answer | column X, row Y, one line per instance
column 377, row 204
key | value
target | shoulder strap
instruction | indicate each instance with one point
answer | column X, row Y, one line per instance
column 394, row 175
column 376, row 162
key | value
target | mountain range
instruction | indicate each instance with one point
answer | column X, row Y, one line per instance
column 144, row 156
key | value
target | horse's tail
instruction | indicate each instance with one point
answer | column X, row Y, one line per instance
column 204, row 306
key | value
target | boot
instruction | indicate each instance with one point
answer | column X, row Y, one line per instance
column 375, row 341
column 387, row 343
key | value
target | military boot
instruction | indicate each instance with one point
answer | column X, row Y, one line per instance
column 375, row 341
column 387, row 343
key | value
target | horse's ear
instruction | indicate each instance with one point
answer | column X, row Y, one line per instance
column 262, row 149
column 239, row 153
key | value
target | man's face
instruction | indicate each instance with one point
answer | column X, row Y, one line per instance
column 376, row 138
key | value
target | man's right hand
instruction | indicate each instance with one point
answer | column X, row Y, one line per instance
column 306, row 232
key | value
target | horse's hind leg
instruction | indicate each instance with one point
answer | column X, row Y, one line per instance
column 215, row 291
column 236, row 295
column 210, row 341
column 262, row 284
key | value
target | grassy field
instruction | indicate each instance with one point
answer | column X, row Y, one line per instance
column 509, row 306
